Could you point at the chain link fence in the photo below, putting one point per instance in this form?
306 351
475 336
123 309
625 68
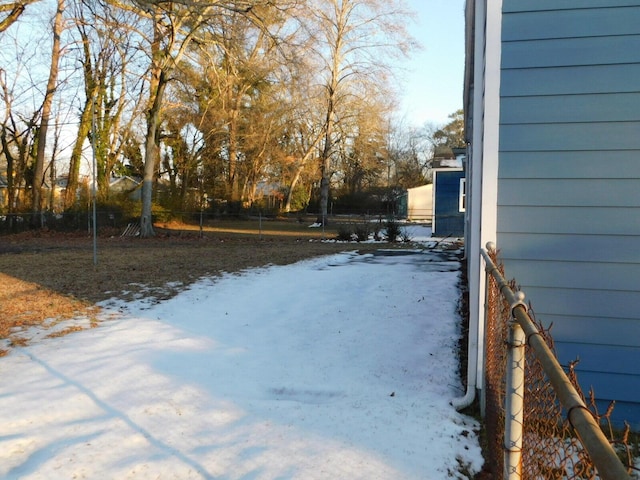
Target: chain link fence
68 221
550 446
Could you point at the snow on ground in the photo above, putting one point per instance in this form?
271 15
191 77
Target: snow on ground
335 368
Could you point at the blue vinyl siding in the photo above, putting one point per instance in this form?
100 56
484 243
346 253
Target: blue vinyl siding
572 192
572 52
570 136
579 275
604 359
583 302
572 248
588 22
569 220
528 6
619 331
569 182
572 165
572 80
620 386
607 107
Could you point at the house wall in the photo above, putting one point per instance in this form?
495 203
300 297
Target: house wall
482 90
568 219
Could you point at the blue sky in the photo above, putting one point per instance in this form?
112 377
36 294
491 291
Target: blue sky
434 80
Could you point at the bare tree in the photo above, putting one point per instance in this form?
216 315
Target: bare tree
20 116
307 141
267 93
409 156
241 66
174 26
38 171
355 39
249 82
110 107
303 125
229 86
18 139
86 111
364 149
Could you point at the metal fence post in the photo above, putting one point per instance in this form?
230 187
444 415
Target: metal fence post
514 403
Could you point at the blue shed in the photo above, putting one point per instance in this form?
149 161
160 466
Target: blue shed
448 202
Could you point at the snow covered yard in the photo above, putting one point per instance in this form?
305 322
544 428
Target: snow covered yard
340 367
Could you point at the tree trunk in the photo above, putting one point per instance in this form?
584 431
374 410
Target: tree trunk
86 121
162 63
234 181
10 169
296 176
15 181
157 86
38 173
292 186
76 156
332 91
325 167
151 157
52 182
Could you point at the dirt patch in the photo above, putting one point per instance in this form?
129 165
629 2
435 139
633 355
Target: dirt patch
49 277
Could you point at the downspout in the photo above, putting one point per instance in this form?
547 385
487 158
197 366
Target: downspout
472 366
460 403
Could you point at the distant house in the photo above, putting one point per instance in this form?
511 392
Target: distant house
447 157
126 185
4 193
51 194
553 121
269 193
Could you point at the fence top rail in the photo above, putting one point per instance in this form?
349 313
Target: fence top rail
579 416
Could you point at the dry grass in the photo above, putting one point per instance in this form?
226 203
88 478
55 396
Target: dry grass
48 278
24 304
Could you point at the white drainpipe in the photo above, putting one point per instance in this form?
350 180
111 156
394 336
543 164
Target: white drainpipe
472 363
472 353
461 403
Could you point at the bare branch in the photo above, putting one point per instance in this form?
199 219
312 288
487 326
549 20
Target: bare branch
15 9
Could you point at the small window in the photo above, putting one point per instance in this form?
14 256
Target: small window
462 201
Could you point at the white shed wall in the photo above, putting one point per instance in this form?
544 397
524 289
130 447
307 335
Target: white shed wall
420 203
